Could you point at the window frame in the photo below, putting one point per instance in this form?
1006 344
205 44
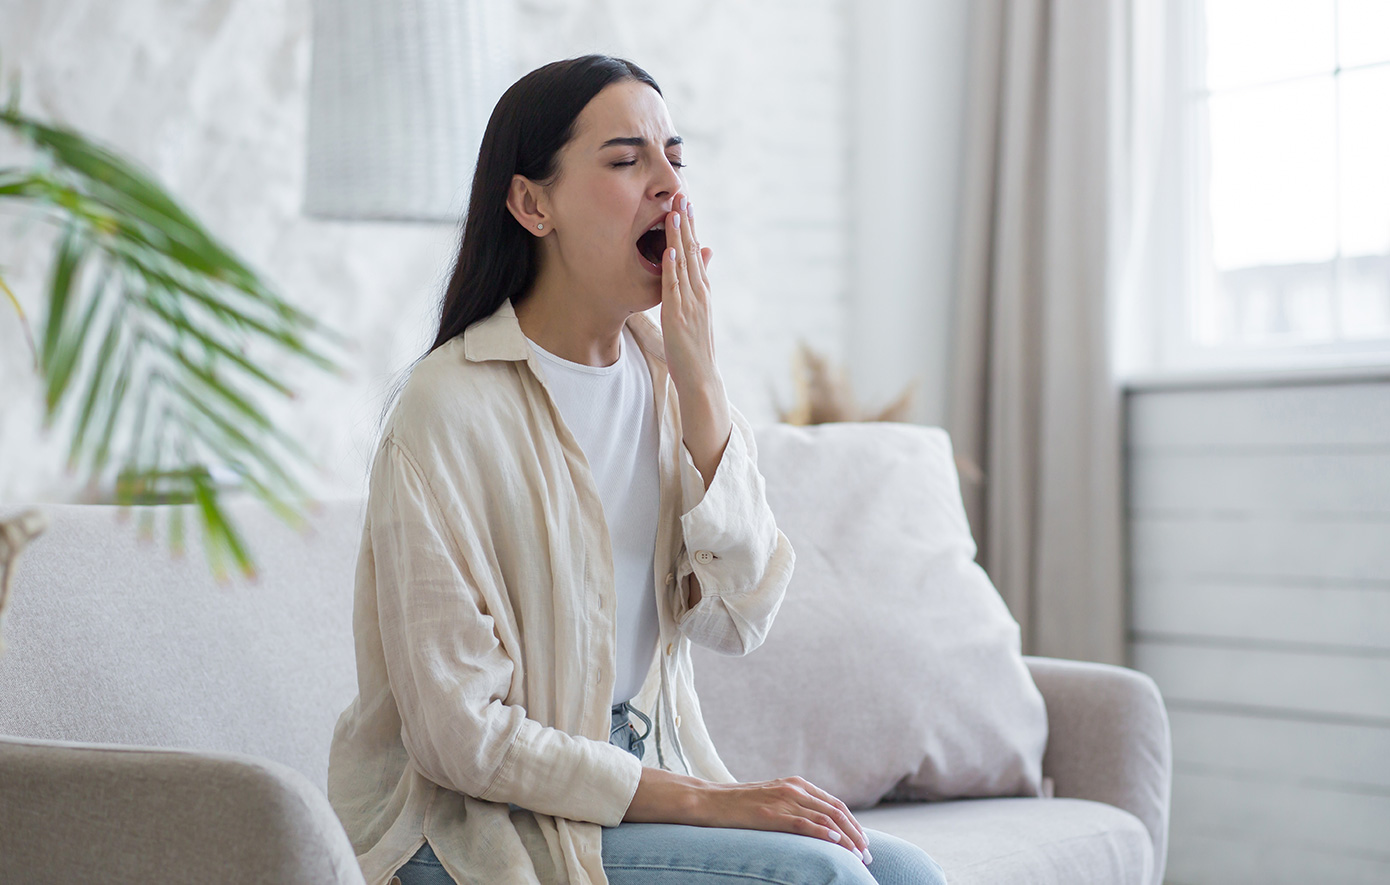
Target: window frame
1183 244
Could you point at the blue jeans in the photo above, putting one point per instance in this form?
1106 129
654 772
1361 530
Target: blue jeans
677 854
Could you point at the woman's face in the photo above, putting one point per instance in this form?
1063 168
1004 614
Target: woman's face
618 176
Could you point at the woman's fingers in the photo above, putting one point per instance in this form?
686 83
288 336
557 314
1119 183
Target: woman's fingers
674 290
817 824
690 268
842 820
841 812
789 804
829 812
823 826
686 273
698 256
670 280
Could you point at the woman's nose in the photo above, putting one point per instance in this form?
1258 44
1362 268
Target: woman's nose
670 199
669 182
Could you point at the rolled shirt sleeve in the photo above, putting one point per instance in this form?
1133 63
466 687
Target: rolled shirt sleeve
733 547
449 672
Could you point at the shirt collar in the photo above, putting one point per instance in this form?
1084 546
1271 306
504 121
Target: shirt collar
499 337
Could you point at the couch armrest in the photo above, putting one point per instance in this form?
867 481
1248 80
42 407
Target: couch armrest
1108 740
73 812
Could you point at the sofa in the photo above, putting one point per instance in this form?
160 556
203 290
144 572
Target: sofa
158 726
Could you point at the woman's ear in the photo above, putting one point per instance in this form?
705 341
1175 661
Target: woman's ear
527 205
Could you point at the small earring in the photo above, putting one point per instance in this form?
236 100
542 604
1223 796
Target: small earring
539 226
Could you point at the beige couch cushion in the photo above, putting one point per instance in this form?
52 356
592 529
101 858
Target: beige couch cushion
1023 841
111 640
894 665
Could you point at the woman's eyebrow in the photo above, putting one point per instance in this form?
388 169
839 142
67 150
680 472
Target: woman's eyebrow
638 141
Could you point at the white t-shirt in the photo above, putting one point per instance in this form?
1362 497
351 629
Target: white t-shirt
609 410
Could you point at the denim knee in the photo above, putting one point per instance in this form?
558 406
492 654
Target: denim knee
899 862
837 866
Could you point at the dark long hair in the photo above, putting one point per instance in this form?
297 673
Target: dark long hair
532 121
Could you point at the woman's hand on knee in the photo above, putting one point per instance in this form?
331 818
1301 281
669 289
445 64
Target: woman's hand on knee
787 804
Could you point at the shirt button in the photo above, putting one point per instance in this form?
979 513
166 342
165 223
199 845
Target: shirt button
678 720
670 576
703 555
669 646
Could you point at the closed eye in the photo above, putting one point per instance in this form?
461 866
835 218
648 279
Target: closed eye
677 163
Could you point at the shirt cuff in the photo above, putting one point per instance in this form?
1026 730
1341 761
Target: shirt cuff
557 773
733 547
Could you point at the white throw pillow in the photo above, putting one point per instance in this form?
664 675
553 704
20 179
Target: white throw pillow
893 669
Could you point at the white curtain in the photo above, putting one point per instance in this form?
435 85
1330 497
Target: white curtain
1046 244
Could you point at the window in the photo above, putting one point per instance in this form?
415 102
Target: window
1280 210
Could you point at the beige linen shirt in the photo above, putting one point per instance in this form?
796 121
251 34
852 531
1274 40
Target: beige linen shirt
484 619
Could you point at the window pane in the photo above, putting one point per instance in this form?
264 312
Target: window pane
1255 41
1291 175
1272 175
1363 30
1365 206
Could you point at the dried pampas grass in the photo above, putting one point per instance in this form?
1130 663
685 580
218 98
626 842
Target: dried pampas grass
15 534
823 396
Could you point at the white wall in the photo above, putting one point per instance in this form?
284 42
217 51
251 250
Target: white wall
212 97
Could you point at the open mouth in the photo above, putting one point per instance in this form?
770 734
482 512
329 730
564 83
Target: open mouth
650 245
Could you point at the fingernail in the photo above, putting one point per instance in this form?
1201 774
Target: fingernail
678 221
868 858
859 854
690 209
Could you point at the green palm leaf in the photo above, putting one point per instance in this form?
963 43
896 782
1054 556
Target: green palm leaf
169 325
